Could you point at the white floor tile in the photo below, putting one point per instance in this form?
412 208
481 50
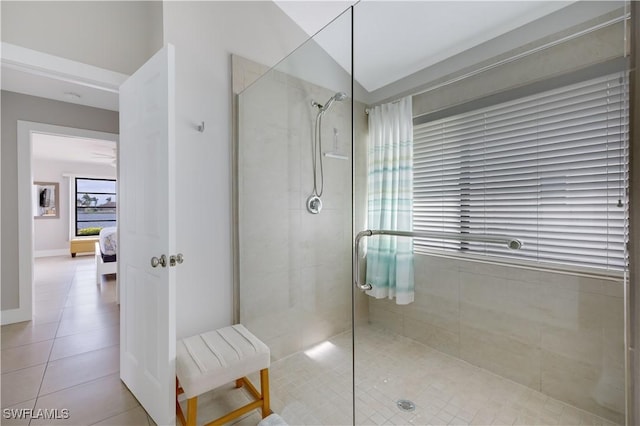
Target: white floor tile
68 357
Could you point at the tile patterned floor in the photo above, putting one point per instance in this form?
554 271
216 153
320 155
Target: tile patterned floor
68 356
314 387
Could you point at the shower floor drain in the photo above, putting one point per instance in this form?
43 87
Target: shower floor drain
406 405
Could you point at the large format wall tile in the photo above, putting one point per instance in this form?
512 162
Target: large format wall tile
584 345
501 354
440 338
295 267
440 311
582 384
385 316
494 321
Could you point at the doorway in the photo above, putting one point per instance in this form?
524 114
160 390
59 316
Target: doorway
26 133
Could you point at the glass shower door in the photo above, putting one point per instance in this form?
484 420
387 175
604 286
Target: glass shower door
294 171
520 132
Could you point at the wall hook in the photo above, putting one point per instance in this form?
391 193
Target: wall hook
201 127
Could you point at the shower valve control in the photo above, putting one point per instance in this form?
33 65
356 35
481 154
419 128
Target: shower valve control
314 204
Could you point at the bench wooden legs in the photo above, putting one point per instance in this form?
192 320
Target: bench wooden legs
192 411
192 408
179 412
264 389
261 401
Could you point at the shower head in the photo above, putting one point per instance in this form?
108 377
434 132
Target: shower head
340 96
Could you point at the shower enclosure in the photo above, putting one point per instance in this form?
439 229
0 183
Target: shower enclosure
494 335
295 266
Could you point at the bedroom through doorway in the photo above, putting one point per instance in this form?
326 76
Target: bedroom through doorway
78 168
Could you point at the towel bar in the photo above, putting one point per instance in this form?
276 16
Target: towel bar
512 243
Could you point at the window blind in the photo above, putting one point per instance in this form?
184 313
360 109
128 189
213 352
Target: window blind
549 169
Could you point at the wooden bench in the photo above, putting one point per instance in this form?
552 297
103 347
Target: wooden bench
82 245
209 360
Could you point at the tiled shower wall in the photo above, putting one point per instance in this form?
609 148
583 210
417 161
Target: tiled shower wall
295 267
559 334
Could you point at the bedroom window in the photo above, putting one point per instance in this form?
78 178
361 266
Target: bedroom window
96 202
549 168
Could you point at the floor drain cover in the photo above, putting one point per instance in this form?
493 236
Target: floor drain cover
406 405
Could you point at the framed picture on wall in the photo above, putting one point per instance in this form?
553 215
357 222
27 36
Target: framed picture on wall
47 200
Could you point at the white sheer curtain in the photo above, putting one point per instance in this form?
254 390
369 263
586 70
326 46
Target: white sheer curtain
390 200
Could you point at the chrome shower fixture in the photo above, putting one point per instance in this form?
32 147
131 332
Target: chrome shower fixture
314 203
340 96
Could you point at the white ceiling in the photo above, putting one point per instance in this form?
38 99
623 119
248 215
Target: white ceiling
394 39
39 74
421 34
51 88
69 149
313 15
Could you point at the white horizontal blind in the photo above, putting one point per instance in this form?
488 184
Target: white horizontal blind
548 169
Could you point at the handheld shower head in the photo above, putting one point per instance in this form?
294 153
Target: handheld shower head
340 96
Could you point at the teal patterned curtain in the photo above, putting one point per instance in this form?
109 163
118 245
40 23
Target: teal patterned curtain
390 200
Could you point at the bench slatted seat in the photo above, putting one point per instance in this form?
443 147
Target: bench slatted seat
209 360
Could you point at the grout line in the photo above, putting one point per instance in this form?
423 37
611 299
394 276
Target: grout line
118 414
24 368
30 343
89 330
85 352
93 379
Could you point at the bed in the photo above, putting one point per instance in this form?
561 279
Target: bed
105 252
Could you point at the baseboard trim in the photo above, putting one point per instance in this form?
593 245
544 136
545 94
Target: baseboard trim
11 316
51 253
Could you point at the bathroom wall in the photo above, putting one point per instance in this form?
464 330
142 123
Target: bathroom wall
546 58
115 35
596 47
295 267
559 334
205 33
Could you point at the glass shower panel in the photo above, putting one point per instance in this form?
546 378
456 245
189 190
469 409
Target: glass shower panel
494 337
294 174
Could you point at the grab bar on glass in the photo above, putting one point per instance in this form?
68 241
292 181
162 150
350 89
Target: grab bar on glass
512 243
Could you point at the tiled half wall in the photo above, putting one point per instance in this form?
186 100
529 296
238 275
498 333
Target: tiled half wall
559 334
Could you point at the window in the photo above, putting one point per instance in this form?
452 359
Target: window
550 169
96 202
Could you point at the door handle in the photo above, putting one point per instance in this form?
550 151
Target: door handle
177 258
162 261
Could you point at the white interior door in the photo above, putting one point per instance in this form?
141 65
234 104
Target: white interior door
146 230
